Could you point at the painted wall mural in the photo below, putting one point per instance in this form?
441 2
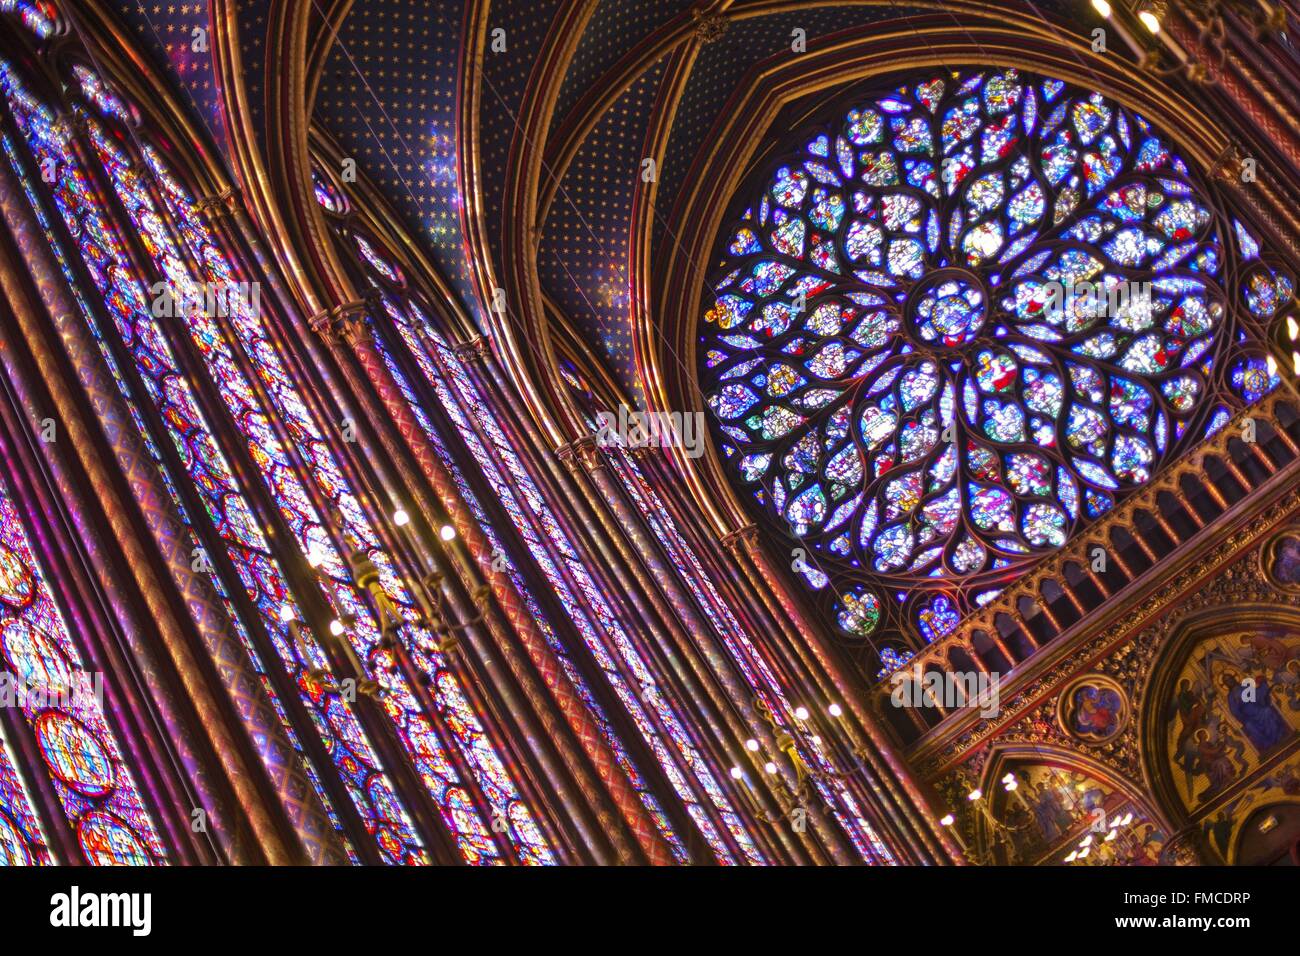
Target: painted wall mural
1094 709
1063 814
1282 561
1190 723
1254 809
1235 706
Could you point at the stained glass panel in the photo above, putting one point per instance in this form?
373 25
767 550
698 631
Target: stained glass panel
129 310
63 703
553 641
39 17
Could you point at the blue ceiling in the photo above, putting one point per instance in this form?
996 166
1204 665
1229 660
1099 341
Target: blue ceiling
388 97
615 27
167 31
583 260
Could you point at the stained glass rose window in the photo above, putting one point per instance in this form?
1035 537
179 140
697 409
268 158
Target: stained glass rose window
959 320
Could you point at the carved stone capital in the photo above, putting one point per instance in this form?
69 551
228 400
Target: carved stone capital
746 537
643 452
342 323
584 452
475 350
217 205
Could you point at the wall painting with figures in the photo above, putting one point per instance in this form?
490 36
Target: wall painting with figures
1232 727
1058 814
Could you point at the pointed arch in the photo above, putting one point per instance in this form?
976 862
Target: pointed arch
1064 802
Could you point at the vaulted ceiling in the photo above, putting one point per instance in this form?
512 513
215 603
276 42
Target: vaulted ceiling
552 121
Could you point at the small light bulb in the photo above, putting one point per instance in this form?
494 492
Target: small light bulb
947 820
801 713
974 795
1084 853
751 744
1150 21
1072 857
770 767
1292 327
336 627
1128 818
1102 7
1086 841
400 517
835 710
446 532
1272 366
736 773
1009 778
1295 362
1111 835
1011 786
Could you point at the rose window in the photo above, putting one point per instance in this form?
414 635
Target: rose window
961 319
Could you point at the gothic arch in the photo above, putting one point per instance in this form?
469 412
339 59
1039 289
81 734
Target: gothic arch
1093 807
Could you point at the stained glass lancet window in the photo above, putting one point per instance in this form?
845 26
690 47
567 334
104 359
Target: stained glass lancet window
39 17
553 641
259 570
961 319
304 479
623 665
63 703
629 677
748 656
461 724
22 843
